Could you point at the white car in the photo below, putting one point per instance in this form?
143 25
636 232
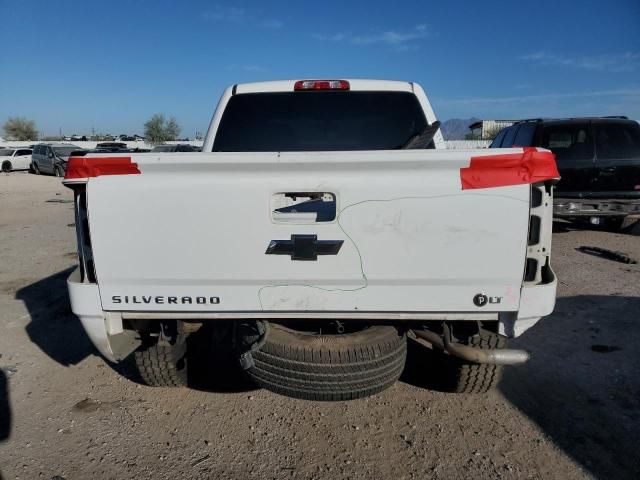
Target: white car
12 159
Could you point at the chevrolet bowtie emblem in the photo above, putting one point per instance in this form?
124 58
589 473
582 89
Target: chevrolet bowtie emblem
304 247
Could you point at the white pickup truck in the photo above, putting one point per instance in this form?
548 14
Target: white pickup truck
322 227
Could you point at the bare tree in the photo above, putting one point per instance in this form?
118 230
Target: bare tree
19 128
159 130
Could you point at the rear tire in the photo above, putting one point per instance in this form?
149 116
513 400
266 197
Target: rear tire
329 367
162 365
460 376
6 166
36 169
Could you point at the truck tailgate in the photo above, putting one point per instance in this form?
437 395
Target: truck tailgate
199 233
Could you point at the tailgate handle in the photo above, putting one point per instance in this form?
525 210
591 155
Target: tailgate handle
303 207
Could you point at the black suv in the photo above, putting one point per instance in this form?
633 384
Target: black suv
598 159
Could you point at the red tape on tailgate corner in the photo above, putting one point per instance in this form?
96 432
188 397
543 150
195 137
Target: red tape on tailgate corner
530 166
87 167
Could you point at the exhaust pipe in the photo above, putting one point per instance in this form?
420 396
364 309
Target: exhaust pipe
502 356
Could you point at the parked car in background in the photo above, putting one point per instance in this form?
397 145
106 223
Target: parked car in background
52 158
79 153
598 159
112 146
12 159
181 147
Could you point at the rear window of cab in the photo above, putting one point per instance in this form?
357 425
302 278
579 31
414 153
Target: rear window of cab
319 121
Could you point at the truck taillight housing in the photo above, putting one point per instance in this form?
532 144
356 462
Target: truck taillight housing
305 85
85 251
537 264
88 167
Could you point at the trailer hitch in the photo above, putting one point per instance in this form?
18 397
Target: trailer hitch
502 356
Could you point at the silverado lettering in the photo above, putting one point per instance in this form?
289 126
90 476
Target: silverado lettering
162 299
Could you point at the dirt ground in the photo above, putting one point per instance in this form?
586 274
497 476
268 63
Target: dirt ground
572 412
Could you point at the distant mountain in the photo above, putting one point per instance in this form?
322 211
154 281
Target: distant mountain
457 128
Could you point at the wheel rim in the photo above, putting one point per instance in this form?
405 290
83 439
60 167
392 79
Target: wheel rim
6 167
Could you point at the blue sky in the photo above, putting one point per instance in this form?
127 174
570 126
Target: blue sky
110 65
